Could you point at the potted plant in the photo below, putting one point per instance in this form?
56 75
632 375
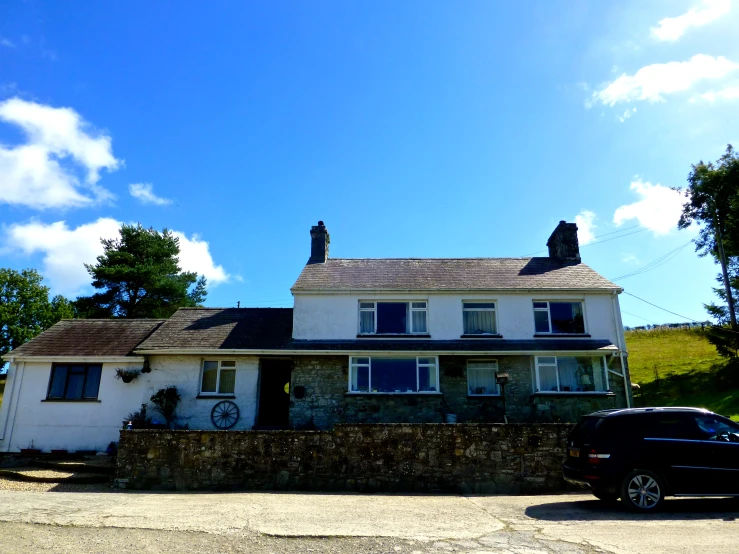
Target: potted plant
165 401
127 375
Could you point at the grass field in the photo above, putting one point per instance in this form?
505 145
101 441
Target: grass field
679 367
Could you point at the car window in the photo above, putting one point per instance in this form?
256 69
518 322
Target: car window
713 428
672 426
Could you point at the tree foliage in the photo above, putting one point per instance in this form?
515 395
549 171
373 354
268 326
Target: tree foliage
713 202
25 308
138 275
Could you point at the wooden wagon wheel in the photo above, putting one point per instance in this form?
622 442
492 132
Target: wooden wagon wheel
225 414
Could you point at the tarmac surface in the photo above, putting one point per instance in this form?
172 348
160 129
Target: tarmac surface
300 522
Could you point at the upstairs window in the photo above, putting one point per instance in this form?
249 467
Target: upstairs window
74 382
559 318
393 318
570 374
479 318
219 377
393 375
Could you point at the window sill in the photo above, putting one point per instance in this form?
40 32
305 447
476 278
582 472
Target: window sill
422 393
394 336
482 336
560 335
214 396
73 401
574 393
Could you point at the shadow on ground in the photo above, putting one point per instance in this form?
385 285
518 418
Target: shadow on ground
720 509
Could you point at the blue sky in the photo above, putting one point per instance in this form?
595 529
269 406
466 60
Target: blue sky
413 129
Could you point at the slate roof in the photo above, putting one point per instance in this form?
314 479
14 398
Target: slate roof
251 328
89 337
449 274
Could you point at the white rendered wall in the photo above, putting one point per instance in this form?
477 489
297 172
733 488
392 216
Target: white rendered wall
335 317
24 416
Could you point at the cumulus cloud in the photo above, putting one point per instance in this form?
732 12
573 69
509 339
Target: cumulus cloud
64 251
727 93
658 209
585 221
672 28
654 82
144 192
44 171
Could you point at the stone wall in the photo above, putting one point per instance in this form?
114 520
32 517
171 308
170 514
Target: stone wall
326 402
461 458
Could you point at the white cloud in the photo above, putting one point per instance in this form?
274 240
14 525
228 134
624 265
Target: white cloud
38 173
585 221
65 250
630 258
653 82
672 28
7 42
658 210
145 193
627 114
727 93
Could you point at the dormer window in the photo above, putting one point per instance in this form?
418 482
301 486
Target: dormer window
393 318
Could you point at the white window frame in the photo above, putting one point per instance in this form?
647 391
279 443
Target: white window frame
410 309
549 316
218 377
492 362
555 365
353 365
494 309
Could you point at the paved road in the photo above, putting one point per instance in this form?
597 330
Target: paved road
288 522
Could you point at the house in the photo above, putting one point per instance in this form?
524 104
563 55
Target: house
367 341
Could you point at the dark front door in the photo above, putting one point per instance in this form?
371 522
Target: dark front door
274 393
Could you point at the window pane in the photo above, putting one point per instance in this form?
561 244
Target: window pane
393 374
360 360
392 317
481 305
481 378
550 360
210 376
92 384
367 305
228 381
418 305
567 317
360 378
569 374
367 322
75 382
598 369
541 321
419 321
540 305
58 381
228 363
427 361
479 322
547 378
427 379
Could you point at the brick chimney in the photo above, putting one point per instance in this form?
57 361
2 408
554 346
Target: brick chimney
563 244
319 241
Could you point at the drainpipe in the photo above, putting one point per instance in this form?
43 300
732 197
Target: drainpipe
621 346
15 396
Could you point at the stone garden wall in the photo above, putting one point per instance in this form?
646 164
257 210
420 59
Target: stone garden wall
459 458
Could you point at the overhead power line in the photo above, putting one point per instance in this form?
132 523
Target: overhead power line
599 236
654 264
661 308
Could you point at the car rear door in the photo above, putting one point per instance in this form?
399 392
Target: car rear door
674 446
721 437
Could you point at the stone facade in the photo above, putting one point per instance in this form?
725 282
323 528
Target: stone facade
325 402
471 458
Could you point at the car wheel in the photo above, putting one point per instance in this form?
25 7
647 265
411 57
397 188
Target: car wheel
642 491
605 496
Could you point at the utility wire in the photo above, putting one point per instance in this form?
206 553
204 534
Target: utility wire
640 317
654 264
661 308
599 236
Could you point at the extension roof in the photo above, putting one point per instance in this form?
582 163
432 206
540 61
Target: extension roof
434 274
89 337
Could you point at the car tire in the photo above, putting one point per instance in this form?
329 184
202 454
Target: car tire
642 491
605 496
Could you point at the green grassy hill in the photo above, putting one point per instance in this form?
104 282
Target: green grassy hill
679 367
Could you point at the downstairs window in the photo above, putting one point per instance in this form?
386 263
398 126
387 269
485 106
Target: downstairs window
74 382
375 374
570 374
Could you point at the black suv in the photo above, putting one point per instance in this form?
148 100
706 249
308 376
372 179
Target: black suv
641 455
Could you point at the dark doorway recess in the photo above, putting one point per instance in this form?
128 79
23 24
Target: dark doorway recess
274 393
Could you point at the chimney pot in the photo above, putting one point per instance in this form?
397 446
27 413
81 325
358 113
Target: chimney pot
563 244
319 241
